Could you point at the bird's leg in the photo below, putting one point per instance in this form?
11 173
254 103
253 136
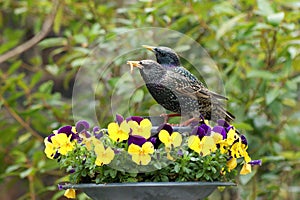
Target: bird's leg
167 116
189 121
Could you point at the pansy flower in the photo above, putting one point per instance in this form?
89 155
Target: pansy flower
104 155
118 132
98 133
231 163
50 149
69 130
70 193
169 138
88 142
246 169
221 130
255 162
140 126
201 143
136 139
141 155
59 143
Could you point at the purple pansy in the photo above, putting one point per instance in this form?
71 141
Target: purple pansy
180 152
136 139
135 118
119 119
221 130
206 128
97 132
226 125
60 186
166 127
199 131
255 162
49 137
153 140
68 131
81 126
244 140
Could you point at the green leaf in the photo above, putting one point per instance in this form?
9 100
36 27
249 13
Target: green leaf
26 173
58 19
264 7
35 79
261 74
243 126
275 19
14 67
46 87
272 95
12 168
52 42
289 102
157 165
23 138
228 25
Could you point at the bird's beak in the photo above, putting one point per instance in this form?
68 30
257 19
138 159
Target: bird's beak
134 64
151 48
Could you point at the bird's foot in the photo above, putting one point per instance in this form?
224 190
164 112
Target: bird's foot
189 121
167 116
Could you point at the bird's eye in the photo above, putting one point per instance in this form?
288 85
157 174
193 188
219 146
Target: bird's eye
140 63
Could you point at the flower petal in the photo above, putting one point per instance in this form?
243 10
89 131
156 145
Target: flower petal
82 125
246 169
136 139
134 149
194 143
176 139
70 194
148 148
231 164
221 130
164 137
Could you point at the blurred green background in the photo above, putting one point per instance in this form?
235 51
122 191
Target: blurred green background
255 44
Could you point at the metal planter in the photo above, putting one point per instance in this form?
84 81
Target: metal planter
149 190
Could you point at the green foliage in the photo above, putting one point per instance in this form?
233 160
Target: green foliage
255 45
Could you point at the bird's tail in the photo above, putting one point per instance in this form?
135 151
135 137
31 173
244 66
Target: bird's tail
224 114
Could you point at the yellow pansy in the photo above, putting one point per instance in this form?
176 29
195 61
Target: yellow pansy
246 169
204 146
231 164
104 156
246 157
63 142
218 138
140 155
142 129
231 136
238 150
50 149
118 133
173 140
70 194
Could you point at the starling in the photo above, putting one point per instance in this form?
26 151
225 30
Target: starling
179 91
168 58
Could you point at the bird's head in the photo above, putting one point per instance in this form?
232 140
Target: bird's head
165 55
148 68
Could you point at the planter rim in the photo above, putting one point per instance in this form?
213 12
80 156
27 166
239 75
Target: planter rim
146 184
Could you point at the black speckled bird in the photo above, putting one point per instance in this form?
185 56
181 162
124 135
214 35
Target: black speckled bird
179 91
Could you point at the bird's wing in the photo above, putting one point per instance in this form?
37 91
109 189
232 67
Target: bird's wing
187 84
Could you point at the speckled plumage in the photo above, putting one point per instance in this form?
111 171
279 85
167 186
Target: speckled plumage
179 91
